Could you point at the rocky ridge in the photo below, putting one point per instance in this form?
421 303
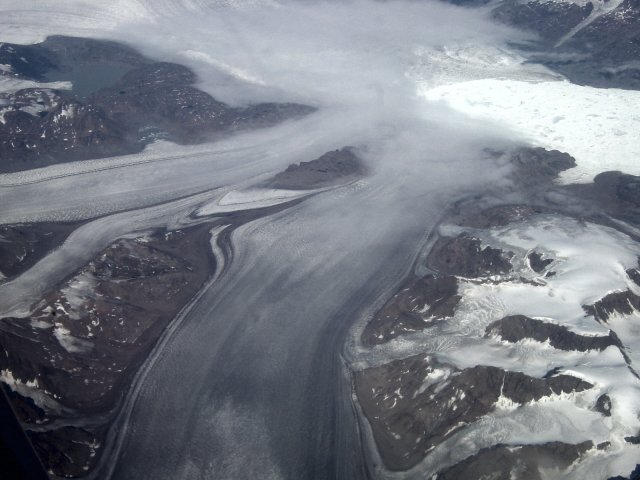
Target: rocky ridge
119 102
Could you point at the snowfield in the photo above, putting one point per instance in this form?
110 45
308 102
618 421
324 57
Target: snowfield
598 127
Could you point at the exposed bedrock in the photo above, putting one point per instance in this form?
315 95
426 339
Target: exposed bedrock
623 303
120 101
551 20
416 403
464 256
515 328
333 167
535 166
417 305
537 262
595 43
75 355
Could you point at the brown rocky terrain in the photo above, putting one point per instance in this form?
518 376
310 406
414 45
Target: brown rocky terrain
416 306
537 262
416 403
623 303
120 101
464 256
337 166
76 353
515 328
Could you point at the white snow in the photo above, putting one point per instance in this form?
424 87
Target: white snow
598 127
2 113
11 84
30 389
70 343
7 377
77 292
237 200
33 109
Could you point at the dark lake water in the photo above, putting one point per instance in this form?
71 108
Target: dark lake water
88 78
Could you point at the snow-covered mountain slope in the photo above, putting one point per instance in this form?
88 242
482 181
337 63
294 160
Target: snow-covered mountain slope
605 413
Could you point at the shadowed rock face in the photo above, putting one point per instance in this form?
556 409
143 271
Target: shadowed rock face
120 102
603 405
160 96
537 263
333 167
634 275
516 462
551 20
618 302
601 52
416 403
416 306
518 327
464 256
614 36
58 446
21 246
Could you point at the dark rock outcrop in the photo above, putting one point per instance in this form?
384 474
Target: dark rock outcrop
497 216
416 306
603 405
537 262
416 403
551 20
464 256
161 96
633 439
601 53
537 166
518 327
84 341
44 126
333 167
120 101
624 303
68 451
634 275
